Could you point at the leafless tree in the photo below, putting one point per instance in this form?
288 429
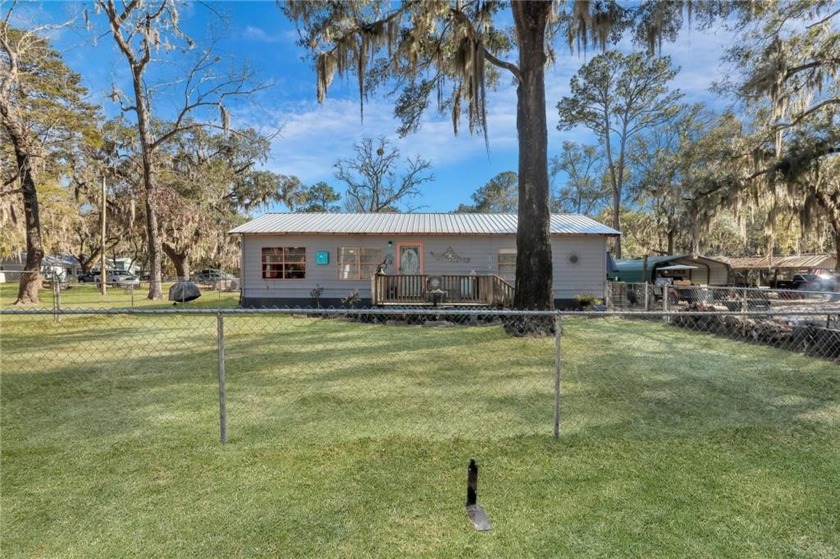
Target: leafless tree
374 180
140 29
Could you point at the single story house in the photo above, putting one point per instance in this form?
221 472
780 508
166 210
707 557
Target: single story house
52 265
328 259
11 267
698 270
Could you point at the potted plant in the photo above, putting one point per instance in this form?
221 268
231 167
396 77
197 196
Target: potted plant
586 300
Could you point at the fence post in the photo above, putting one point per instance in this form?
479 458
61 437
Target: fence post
558 368
220 345
744 308
56 287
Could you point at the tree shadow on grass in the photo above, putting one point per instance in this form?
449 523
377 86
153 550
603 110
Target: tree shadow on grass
665 381
310 375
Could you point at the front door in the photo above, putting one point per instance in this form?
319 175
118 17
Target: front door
410 264
410 258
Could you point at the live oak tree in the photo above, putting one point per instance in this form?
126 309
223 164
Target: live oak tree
208 181
113 163
452 51
43 117
619 97
669 162
377 180
784 70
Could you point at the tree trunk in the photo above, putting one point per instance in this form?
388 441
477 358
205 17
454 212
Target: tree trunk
179 259
30 279
533 246
616 220
155 275
147 147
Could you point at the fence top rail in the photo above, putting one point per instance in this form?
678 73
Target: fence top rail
735 288
397 311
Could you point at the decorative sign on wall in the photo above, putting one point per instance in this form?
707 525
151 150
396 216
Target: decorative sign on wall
448 256
322 257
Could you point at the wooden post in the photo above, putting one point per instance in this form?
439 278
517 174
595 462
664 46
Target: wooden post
374 299
557 372
220 344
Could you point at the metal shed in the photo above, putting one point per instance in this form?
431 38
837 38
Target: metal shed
698 270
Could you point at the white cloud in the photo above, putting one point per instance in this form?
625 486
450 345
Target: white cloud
314 137
251 33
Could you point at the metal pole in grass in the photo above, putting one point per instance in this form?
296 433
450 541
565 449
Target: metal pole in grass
557 370
220 344
56 286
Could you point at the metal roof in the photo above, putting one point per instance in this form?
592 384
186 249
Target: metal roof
636 264
802 262
413 224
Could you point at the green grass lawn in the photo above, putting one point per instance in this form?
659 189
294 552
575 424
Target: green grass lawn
352 440
87 296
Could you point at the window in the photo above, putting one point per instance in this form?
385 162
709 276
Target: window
358 263
284 263
507 264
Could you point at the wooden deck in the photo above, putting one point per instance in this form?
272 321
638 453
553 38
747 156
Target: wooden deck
441 290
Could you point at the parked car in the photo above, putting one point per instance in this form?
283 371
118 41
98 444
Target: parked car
119 278
815 282
212 276
54 274
89 277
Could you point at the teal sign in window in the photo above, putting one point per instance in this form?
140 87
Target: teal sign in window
322 257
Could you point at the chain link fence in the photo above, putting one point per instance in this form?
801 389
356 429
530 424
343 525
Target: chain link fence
296 373
652 297
56 291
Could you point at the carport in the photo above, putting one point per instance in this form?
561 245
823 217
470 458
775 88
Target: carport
776 271
699 270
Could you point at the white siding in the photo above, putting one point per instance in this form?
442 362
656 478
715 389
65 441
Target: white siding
588 274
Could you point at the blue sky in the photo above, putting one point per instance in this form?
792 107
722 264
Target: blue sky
313 136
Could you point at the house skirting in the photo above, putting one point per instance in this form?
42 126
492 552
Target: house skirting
362 303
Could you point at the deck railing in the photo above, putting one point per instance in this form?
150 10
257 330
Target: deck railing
440 290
